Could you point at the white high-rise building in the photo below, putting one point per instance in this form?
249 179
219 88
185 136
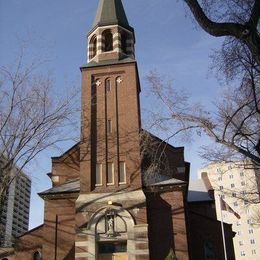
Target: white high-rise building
15 215
238 186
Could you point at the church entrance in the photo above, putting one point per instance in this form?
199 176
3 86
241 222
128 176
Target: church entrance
112 250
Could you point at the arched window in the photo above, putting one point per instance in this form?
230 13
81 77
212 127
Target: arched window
107 40
36 255
124 42
93 47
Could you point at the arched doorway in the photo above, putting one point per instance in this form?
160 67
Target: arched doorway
111 227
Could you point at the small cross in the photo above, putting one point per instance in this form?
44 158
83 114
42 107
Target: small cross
98 83
119 80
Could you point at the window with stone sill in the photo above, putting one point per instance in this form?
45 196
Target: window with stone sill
110 173
98 174
122 173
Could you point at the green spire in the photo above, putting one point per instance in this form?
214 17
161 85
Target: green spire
111 12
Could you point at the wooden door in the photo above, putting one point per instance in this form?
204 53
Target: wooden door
114 256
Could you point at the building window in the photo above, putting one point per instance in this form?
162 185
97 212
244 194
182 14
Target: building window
122 173
209 250
241 243
36 256
253 252
108 40
98 174
235 204
241 174
93 47
124 42
221 187
250 231
231 176
219 178
252 241
232 185
243 183
108 85
109 126
234 194
110 173
242 253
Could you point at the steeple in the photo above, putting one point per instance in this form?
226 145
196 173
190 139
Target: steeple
111 12
111 38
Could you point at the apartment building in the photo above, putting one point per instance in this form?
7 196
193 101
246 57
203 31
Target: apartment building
15 215
236 187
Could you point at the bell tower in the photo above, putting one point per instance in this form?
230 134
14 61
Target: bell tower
110 147
111 207
111 37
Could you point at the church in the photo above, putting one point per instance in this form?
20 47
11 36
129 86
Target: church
121 192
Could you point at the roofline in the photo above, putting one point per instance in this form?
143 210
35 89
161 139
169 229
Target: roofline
159 139
83 67
71 148
31 230
49 195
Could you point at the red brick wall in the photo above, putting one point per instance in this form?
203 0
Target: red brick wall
122 107
66 167
65 210
167 226
204 227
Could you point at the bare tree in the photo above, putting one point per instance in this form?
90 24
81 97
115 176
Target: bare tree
32 118
234 124
238 19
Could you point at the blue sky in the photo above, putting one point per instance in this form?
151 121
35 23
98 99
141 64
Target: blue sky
167 40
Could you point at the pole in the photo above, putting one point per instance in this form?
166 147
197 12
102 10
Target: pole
222 229
56 238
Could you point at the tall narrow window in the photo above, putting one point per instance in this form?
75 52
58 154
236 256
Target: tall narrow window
98 174
124 43
122 173
108 40
110 173
93 47
108 85
109 126
36 256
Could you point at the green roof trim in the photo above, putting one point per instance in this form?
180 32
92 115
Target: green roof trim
111 12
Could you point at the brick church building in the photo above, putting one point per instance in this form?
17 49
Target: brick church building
120 193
